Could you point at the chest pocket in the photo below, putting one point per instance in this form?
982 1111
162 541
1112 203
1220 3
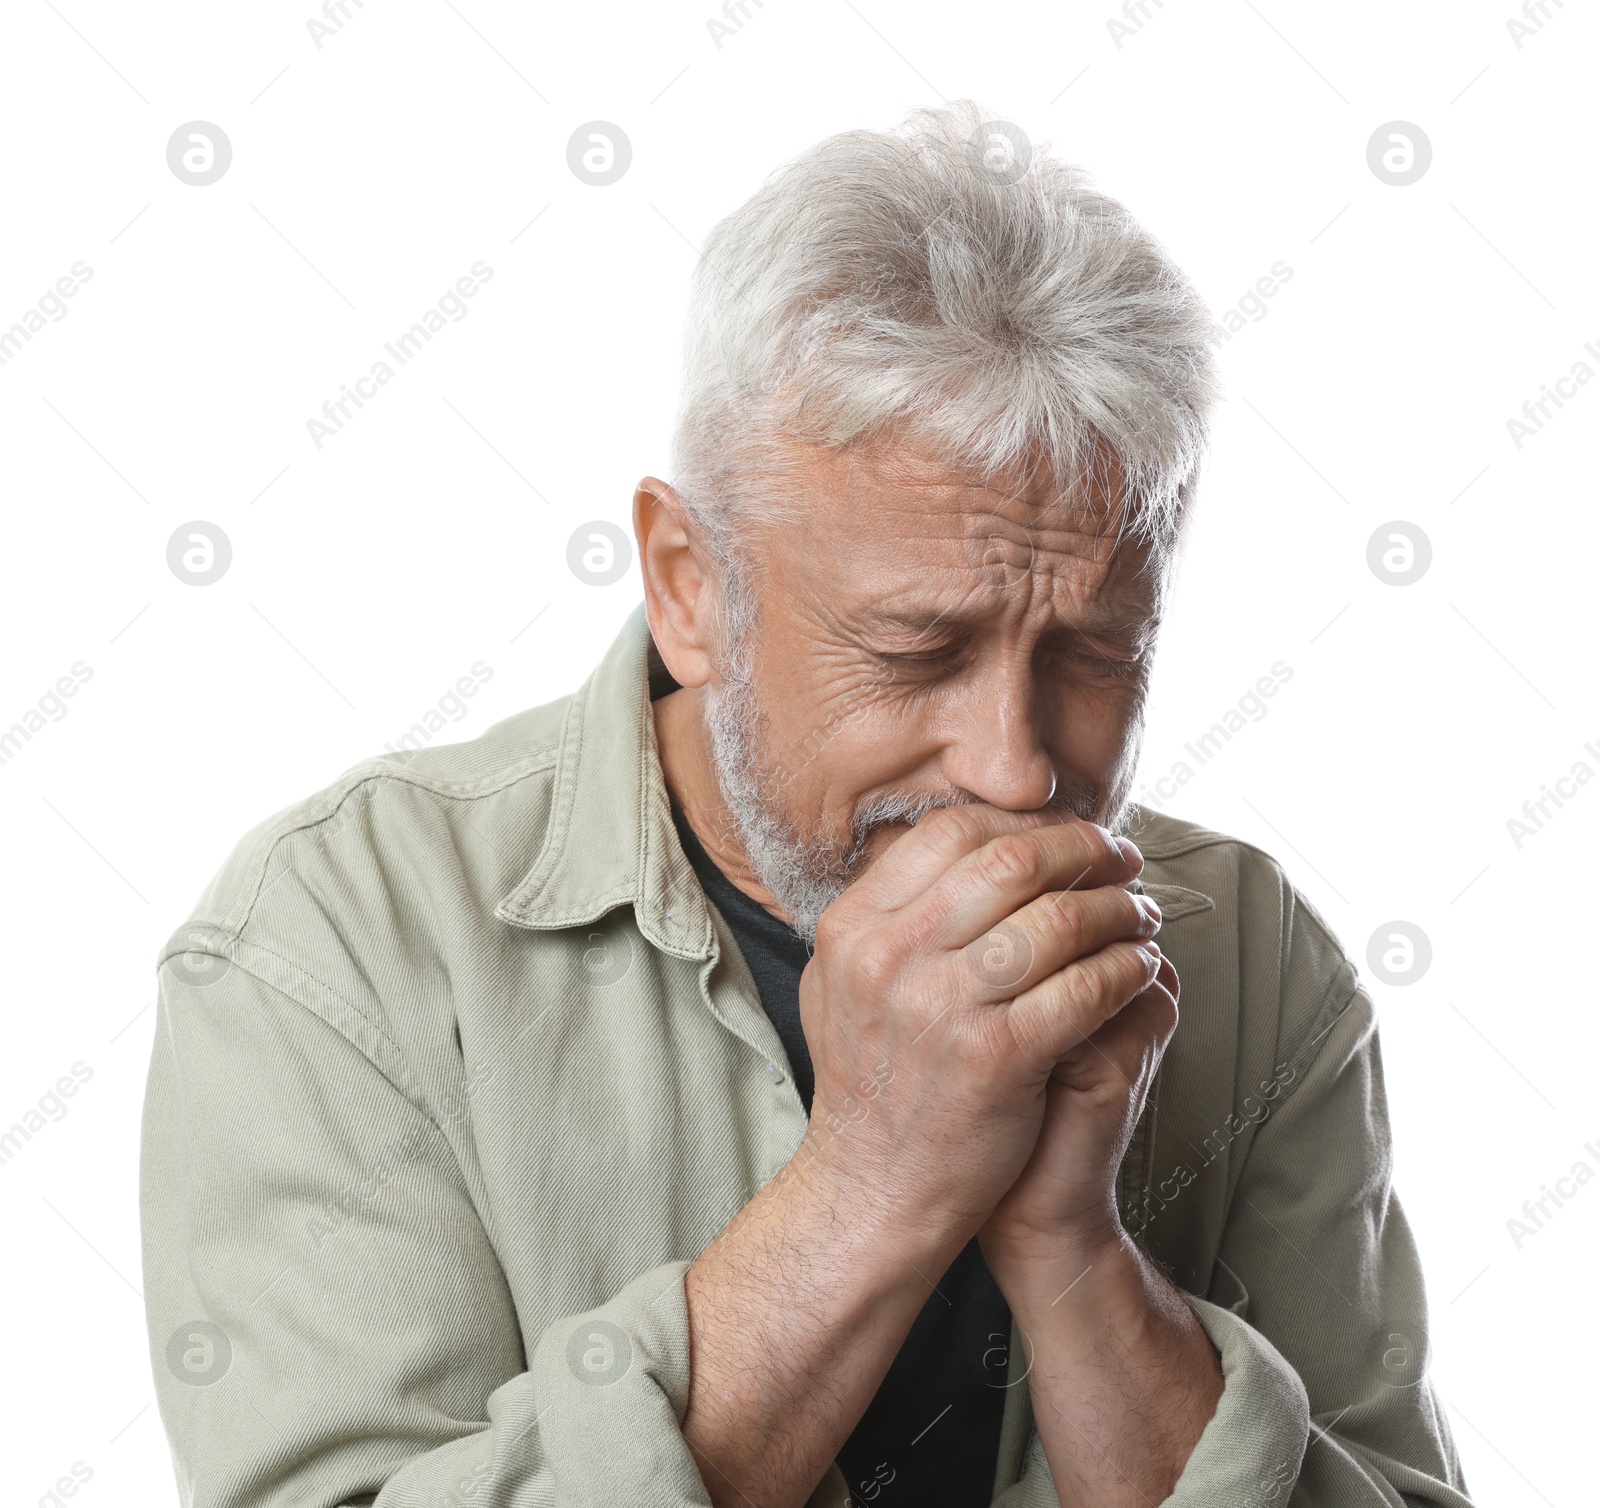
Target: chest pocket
1174 900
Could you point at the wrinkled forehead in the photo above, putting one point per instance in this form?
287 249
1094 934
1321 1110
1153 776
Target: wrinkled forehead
892 522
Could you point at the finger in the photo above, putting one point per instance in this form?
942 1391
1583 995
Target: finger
1129 1046
995 879
915 860
1059 1012
1052 931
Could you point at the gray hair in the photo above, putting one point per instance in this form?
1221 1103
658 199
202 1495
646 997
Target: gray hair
893 285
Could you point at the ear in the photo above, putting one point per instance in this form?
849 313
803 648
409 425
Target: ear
675 565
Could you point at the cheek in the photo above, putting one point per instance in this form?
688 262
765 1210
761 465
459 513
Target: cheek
836 751
1099 737
1098 725
865 739
870 738
1119 754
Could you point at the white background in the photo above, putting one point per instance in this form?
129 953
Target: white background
430 533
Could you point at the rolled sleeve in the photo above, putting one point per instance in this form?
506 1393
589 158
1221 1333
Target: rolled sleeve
1252 1446
1323 1308
1256 1436
329 1321
612 1386
1316 1302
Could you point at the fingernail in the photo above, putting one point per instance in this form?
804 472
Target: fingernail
1129 851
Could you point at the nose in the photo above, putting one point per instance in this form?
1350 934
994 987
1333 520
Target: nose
995 750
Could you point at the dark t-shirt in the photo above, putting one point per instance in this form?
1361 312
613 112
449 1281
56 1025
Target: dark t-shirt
932 1432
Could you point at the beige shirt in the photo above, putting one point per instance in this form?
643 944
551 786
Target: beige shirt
457 1072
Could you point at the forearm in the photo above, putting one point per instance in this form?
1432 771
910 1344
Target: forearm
1123 1378
795 1314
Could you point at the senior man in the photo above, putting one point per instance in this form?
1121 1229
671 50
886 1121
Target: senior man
753 1078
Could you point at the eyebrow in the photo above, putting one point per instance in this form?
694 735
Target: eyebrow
922 619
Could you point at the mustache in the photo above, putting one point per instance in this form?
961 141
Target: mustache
1080 797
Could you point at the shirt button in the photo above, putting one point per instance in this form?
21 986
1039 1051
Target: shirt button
774 1073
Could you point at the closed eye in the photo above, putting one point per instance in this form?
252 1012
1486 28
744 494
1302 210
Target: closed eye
929 662
1107 667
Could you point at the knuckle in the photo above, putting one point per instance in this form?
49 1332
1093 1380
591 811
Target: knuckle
832 930
1094 846
1010 860
1106 843
1140 907
876 961
958 825
1075 987
1068 920
1130 969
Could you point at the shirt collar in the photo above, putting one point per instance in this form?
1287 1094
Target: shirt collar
610 840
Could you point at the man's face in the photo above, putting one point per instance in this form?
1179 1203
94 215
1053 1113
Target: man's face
924 642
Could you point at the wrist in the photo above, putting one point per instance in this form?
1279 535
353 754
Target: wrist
857 1221
1086 1281
1121 1373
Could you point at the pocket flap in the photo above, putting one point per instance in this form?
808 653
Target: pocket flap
1174 900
